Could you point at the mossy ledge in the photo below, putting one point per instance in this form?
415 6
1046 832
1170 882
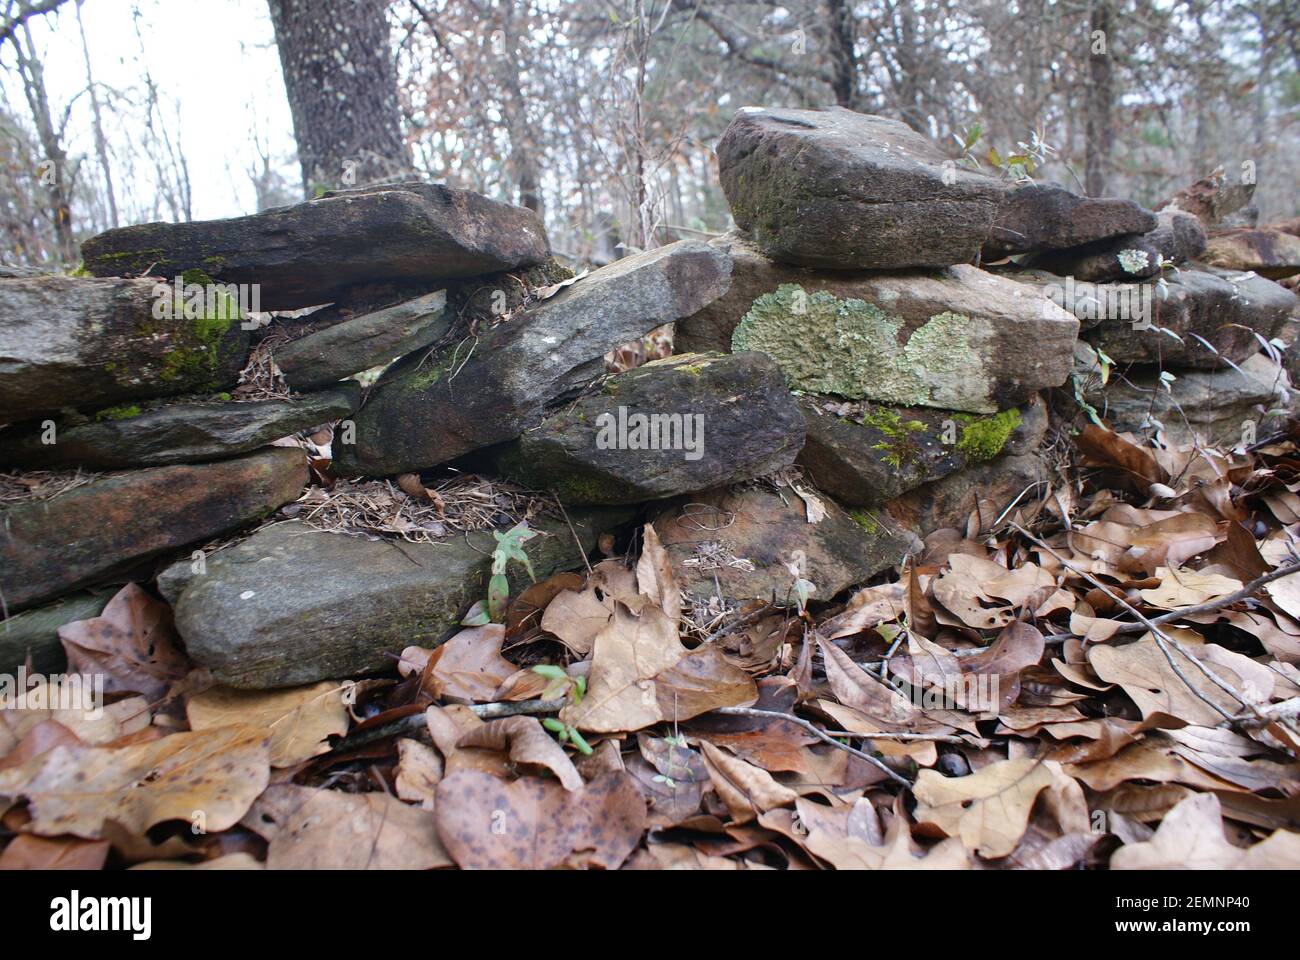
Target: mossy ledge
983 438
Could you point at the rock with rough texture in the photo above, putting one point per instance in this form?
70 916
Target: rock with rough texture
490 389
743 541
1177 238
1043 216
173 433
35 633
843 190
1221 407
959 340
982 490
1214 198
326 356
51 547
309 253
293 604
874 453
78 342
672 426
1270 253
1141 323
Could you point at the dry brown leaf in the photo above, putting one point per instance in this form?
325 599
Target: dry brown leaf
641 674
132 644
989 810
300 720
208 777
1191 838
419 768
1151 682
93 726
535 824
576 617
1180 587
654 576
28 852
310 829
747 790
524 739
469 666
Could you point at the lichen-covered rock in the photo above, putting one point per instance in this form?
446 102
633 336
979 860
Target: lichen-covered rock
51 547
369 340
745 541
982 490
489 388
1043 216
293 604
1171 322
961 339
874 453
689 422
1223 408
34 633
1177 238
1270 253
85 343
132 436
844 190
309 253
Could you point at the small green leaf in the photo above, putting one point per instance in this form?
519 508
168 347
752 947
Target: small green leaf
583 746
549 671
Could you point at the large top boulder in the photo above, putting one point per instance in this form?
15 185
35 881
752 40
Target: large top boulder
78 342
844 190
489 388
1043 216
309 253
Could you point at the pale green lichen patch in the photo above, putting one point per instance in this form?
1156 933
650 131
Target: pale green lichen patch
852 348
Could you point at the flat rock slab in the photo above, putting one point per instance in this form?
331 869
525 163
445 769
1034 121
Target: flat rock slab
173 433
480 391
85 343
1141 323
34 633
958 338
741 541
362 342
673 426
1270 253
871 453
293 604
309 253
52 547
1043 216
844 190
979 495
1177 238
1213 199
1212 407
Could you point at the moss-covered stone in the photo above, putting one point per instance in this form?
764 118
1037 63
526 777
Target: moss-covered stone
123 411
854 349
983 439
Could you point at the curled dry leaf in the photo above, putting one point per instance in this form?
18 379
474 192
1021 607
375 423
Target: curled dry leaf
92 726
469 666
989 810
132 644
747 790
419 768
524 739
75 789
535 824
300 720
1191 838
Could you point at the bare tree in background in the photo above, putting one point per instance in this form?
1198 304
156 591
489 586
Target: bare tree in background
341 82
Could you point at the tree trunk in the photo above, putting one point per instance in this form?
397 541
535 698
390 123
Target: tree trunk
1098 131
844 60
342 86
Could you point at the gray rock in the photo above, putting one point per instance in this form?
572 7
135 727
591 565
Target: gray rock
1219 407
487 390
76 342
326 356
57 545
742 541
1128 321
1043 216
174 432
877 452
308 253
294 605
844 190
1177 238
668 427
35 633
1270 253
956 339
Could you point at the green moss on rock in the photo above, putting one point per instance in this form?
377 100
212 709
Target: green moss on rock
123 411
984 438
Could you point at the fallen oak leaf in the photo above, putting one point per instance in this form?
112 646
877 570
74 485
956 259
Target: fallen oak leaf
989 809
74 789
747 790
526 742
300 720
1191 838
469 666
132 644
